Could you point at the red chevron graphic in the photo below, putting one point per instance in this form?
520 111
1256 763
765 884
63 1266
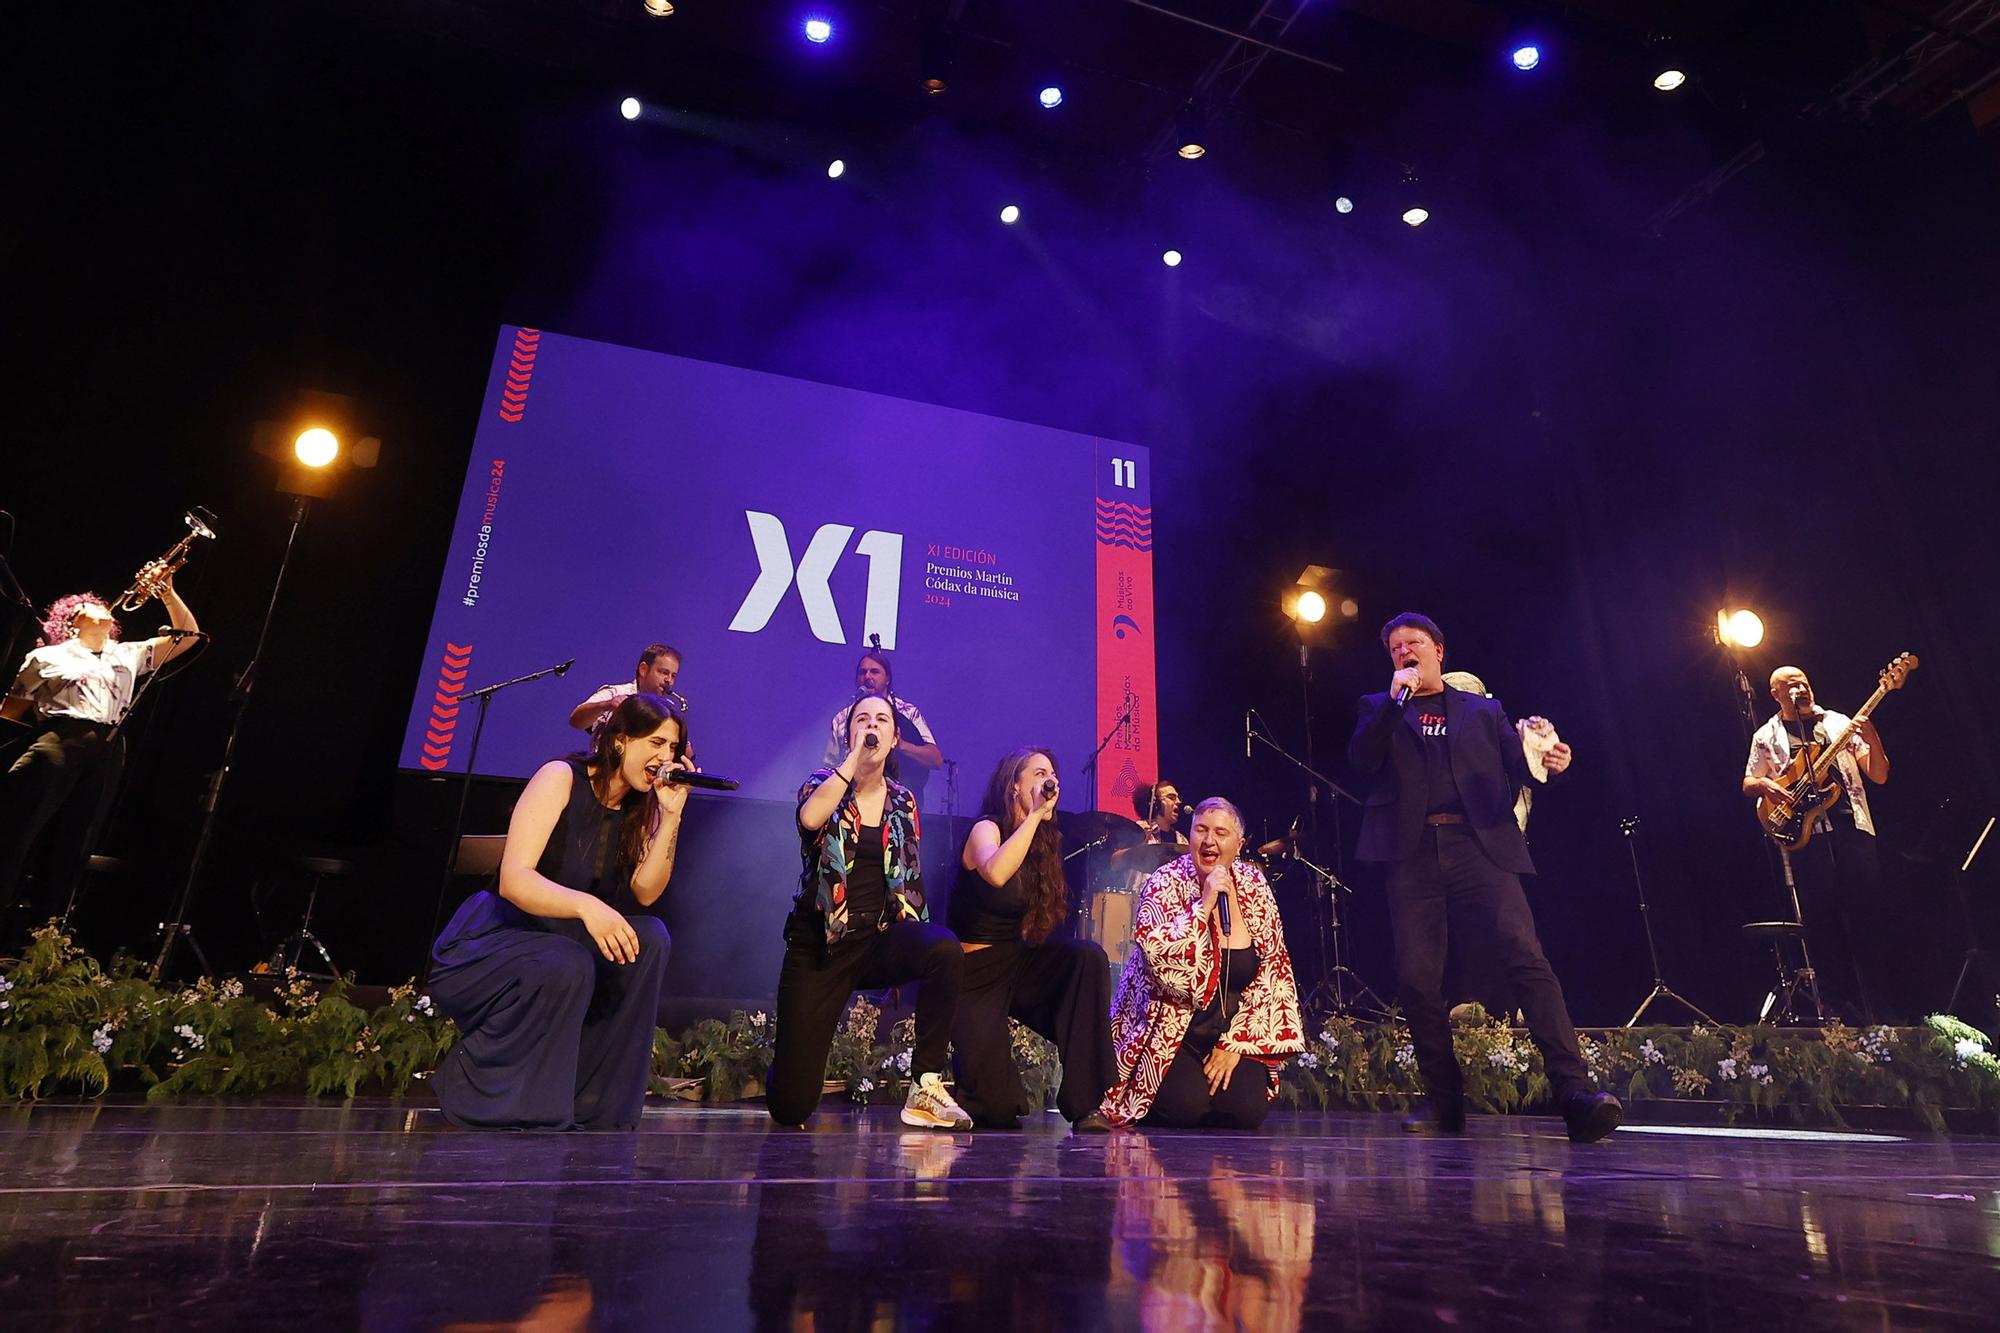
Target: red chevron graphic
438 733
513 403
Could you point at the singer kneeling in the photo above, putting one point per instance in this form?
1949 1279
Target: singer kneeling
859 923
1208 1010
554 989
1009 900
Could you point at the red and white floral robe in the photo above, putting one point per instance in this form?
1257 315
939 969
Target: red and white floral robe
1175 968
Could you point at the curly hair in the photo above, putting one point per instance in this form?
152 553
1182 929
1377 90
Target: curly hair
58 620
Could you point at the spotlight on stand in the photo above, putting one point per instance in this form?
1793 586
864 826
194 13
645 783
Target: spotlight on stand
1050 97
1526 56
1741 628
1191 130
316 446
819 31
1314 602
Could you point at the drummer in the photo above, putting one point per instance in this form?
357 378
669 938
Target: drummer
1158 805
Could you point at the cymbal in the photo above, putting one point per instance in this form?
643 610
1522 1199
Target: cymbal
1090 825
1146 857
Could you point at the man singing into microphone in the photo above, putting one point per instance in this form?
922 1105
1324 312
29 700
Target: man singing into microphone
1837 872
1445 767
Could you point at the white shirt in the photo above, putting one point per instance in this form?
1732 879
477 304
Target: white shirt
836 745
68 680
611 695
1771 750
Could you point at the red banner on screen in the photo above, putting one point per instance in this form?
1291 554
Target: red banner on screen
1125 688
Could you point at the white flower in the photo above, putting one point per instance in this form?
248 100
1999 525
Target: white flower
903 1063
186 1033
759 1018
101 1039
865 1085
1503 1057
1406 1055
6 1004
1875 1042
1967 1047
1726 1068
1761 1073
232 989
1698 1031
5 985
1307 1060
409 1018
1654 1055
423 1004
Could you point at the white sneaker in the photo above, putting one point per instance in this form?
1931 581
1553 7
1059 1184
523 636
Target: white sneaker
929 1106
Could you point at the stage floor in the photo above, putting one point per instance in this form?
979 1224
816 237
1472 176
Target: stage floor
280 1213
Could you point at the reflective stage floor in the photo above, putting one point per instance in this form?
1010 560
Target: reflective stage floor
275 1213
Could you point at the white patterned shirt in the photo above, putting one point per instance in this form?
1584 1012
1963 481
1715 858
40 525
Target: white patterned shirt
1771 750
69 680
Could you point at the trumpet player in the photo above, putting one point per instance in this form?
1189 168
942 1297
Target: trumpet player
79 683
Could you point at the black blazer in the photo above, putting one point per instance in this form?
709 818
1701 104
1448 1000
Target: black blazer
1486 759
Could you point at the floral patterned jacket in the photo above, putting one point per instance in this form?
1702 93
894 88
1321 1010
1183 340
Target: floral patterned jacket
1175 968
829 852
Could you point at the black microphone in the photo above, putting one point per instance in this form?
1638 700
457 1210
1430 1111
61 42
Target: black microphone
169 632
1222 911
1403 694
681 777
869 740
563 670
1049 787
1246 732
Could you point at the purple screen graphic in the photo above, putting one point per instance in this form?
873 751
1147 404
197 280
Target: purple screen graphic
766 527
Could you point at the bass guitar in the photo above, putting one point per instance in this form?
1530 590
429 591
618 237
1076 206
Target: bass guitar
1810 781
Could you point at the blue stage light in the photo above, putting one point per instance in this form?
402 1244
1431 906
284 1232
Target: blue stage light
1010 214
819 30
836 169
1527 57
1050 97
1172 259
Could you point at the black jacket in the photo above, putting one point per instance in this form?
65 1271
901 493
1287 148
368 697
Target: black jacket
1486 760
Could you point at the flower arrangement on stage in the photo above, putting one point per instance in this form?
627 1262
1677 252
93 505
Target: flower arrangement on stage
66 1025
71 1026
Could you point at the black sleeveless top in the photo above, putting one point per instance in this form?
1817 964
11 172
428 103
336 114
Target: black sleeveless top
983 914
583 846
1239 968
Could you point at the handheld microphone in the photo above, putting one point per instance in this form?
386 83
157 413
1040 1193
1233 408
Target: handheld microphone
1222 911
1246 732
1049 787
869 741
1403 694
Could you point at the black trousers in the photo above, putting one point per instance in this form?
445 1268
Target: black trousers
815 981
1840 894
1450 889
1059 988
1184 1101
57 791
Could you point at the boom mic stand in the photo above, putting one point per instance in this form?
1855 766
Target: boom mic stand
1629 826
171 932
485 697
1335 974
1974 955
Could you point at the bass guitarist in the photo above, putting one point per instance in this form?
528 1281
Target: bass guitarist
1837 871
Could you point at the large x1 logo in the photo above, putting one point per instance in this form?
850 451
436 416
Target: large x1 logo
776 573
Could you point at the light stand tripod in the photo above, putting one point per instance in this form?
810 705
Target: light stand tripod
1629 826
485 696
172 932
1974 956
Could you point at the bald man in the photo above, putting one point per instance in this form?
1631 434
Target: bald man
1838 873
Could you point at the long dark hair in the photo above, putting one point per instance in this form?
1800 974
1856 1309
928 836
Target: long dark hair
1042 872
639 715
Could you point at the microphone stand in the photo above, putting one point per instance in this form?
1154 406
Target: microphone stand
485 696
1332 988
1090 765
172 931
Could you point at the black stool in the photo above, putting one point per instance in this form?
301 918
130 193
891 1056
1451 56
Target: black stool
1796 986
321 868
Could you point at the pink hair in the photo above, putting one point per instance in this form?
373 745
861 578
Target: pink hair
56 624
